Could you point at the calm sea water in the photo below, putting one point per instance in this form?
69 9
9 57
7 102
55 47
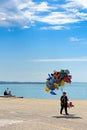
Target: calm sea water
74 91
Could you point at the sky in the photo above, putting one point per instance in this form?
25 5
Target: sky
40 36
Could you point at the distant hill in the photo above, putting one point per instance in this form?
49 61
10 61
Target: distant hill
17 82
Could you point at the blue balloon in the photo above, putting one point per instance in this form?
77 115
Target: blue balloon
52 81
50 76
61 76
53 93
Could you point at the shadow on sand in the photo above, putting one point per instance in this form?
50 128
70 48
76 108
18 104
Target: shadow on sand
70 116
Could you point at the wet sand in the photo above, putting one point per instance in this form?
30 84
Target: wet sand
41 114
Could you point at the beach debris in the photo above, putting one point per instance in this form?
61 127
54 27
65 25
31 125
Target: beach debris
56 80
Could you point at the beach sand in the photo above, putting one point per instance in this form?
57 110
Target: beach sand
41 114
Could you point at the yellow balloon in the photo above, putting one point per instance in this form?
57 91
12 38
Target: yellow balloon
62 83
56 85
47 89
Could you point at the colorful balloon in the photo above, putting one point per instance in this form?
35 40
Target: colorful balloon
53 93
57 79
62 83
56 85
47 89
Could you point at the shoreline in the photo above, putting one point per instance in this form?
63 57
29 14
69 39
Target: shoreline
14 96
40 114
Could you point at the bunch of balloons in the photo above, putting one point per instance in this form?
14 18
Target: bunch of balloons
57 79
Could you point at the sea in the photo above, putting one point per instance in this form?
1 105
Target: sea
74 90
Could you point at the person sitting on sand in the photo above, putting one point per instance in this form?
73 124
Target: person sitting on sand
9 93
64 101
5 93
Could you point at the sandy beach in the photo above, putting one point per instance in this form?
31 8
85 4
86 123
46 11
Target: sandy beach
41 114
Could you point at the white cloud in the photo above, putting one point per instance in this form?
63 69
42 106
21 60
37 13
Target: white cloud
26 13
75 39
83 59
37 7
26 26
22 12
77 3
57 18
54 28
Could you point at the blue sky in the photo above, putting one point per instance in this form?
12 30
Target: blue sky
40 36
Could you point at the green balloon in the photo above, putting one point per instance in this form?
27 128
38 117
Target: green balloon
62 71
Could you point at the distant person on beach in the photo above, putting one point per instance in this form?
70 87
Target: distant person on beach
64 101
6 92
9 93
